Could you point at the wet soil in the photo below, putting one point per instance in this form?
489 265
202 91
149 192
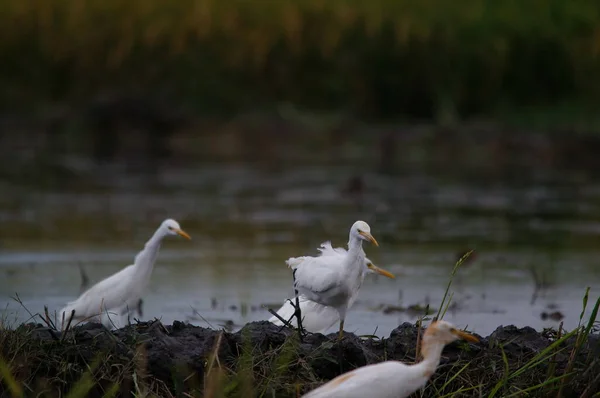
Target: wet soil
177 356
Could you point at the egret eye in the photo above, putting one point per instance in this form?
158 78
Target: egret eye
171 228
452 330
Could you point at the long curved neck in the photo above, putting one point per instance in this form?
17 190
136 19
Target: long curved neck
432 353
355 246
354 243
356 256
420 373
144 261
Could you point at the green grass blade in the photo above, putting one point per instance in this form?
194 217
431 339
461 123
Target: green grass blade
585 301
86 382
13 386
454 377
538 386
460 390
504 380
542 356
592 319
456 266
112 391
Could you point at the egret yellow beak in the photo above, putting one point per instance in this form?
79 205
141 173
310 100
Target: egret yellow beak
369 237
380 271
182 233
466 336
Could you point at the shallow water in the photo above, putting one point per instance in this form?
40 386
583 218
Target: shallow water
248 215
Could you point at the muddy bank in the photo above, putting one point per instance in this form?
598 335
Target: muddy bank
262 359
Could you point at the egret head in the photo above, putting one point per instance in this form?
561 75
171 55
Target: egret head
171 227
361 230
445 332
372 268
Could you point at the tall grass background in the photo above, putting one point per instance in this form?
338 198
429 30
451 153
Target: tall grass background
378 59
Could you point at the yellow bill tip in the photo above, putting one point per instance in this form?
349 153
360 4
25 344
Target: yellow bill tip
369 237
183 233
380 271
467 336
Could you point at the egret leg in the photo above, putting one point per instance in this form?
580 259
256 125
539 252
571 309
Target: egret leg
297 311
298 314
339 345
289 321
139 308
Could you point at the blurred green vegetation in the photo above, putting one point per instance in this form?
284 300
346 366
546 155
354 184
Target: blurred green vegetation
377 59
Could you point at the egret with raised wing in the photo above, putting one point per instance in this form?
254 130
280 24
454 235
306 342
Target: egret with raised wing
332 283
122 291
394 379
317 317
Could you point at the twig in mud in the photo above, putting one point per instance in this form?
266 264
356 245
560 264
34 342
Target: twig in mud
47 319
71 316
195 312
285 323
18 300
49 324
375 331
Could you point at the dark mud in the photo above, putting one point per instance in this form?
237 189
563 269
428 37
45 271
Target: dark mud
174 360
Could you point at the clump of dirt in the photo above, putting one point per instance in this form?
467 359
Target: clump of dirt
175 359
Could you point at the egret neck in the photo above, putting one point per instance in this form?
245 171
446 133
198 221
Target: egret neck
144 260
355 258
431 351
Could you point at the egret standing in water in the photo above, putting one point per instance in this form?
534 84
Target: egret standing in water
317 317
122 291
332 283
393 379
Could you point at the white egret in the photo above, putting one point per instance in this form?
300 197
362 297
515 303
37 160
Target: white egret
317 317
393 379
122 291
333 283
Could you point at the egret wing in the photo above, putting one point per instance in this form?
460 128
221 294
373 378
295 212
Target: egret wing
318 275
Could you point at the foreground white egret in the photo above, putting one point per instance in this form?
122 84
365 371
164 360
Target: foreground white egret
332 283
122 291
317 317
393 379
